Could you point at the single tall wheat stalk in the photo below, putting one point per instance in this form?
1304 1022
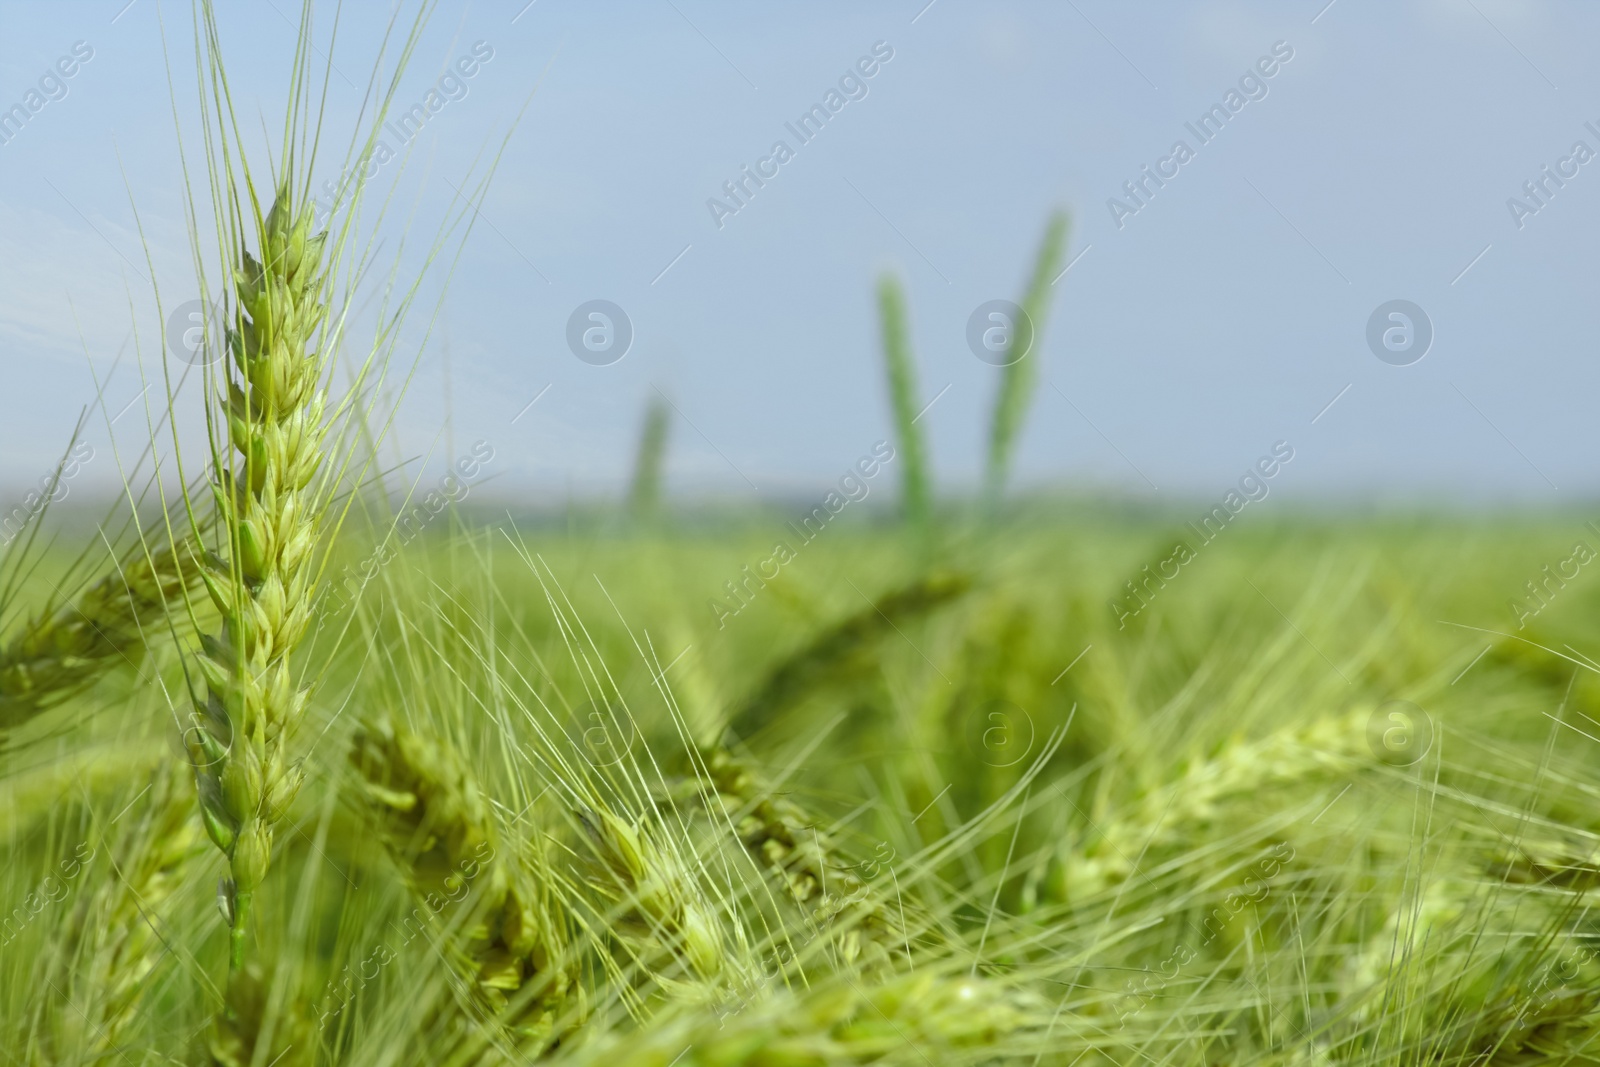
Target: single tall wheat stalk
1020 377
644 498
902 374
280 450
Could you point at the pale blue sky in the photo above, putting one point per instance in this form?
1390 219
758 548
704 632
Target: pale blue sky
1222 317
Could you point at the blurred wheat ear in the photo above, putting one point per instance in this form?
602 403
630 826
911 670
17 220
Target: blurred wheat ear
499 925
902 374
1019 379
1319 750
116 934
644 498
923 1017
790 841
64 648
840 653
656 902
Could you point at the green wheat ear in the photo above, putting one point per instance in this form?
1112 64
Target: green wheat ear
265 588
644 499
1018 380
903 399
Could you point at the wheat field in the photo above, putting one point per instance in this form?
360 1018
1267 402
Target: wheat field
899 812
299 765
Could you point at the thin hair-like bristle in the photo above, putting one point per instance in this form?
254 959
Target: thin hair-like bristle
795 846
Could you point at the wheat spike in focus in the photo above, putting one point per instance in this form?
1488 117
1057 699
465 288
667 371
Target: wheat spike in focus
264 591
